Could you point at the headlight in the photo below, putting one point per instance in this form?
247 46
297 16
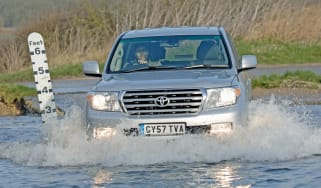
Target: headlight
107 101
222 97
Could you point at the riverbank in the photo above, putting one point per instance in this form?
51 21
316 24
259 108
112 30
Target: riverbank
23 106
28 105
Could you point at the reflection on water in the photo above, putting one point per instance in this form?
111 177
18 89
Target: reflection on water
223 176
102 177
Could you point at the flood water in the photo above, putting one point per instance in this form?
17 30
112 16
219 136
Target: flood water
280 147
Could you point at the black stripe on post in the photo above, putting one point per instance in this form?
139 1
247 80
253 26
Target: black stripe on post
50 90
43 51
54 110
38 92
47 71
36 82
35 72
32 53
45 61
33 63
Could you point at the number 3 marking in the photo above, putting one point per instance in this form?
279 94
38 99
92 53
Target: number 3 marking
48 109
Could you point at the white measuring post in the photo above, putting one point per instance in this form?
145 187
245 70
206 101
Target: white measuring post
42 77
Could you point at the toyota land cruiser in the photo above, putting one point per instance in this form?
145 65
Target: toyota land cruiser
169 82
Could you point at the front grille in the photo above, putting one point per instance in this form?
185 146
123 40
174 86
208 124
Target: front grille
180 101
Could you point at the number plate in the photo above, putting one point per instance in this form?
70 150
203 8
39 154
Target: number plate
163 129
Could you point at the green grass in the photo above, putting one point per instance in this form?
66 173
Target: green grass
58 72
61 71
300 79
20 76
11 92
66 71
279 52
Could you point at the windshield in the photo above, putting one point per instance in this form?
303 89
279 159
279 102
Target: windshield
169 52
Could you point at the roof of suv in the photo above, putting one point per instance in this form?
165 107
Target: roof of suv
167 31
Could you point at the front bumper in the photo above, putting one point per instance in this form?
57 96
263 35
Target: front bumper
235 115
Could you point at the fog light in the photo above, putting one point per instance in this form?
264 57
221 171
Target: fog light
104 132
220 128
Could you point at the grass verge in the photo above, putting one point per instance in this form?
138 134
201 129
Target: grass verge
297 79
58 72
9 93
279 52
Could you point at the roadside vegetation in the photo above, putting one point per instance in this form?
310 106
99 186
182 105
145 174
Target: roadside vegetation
12 92
285 31
14 13
297 79
276 52
12 99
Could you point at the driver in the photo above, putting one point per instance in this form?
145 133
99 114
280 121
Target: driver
142 59
141 55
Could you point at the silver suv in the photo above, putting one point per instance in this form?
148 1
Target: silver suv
169 82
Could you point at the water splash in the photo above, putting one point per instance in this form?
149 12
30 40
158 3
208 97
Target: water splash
274 133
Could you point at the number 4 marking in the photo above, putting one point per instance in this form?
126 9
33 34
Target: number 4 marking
45 90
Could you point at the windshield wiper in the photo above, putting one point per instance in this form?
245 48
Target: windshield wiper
148 68
205 66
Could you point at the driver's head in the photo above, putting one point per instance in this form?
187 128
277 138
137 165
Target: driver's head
141 53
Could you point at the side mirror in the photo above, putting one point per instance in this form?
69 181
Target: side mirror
248 62
91 68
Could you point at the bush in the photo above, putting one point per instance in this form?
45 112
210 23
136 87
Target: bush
87 30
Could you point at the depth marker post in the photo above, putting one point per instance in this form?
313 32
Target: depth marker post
42 77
